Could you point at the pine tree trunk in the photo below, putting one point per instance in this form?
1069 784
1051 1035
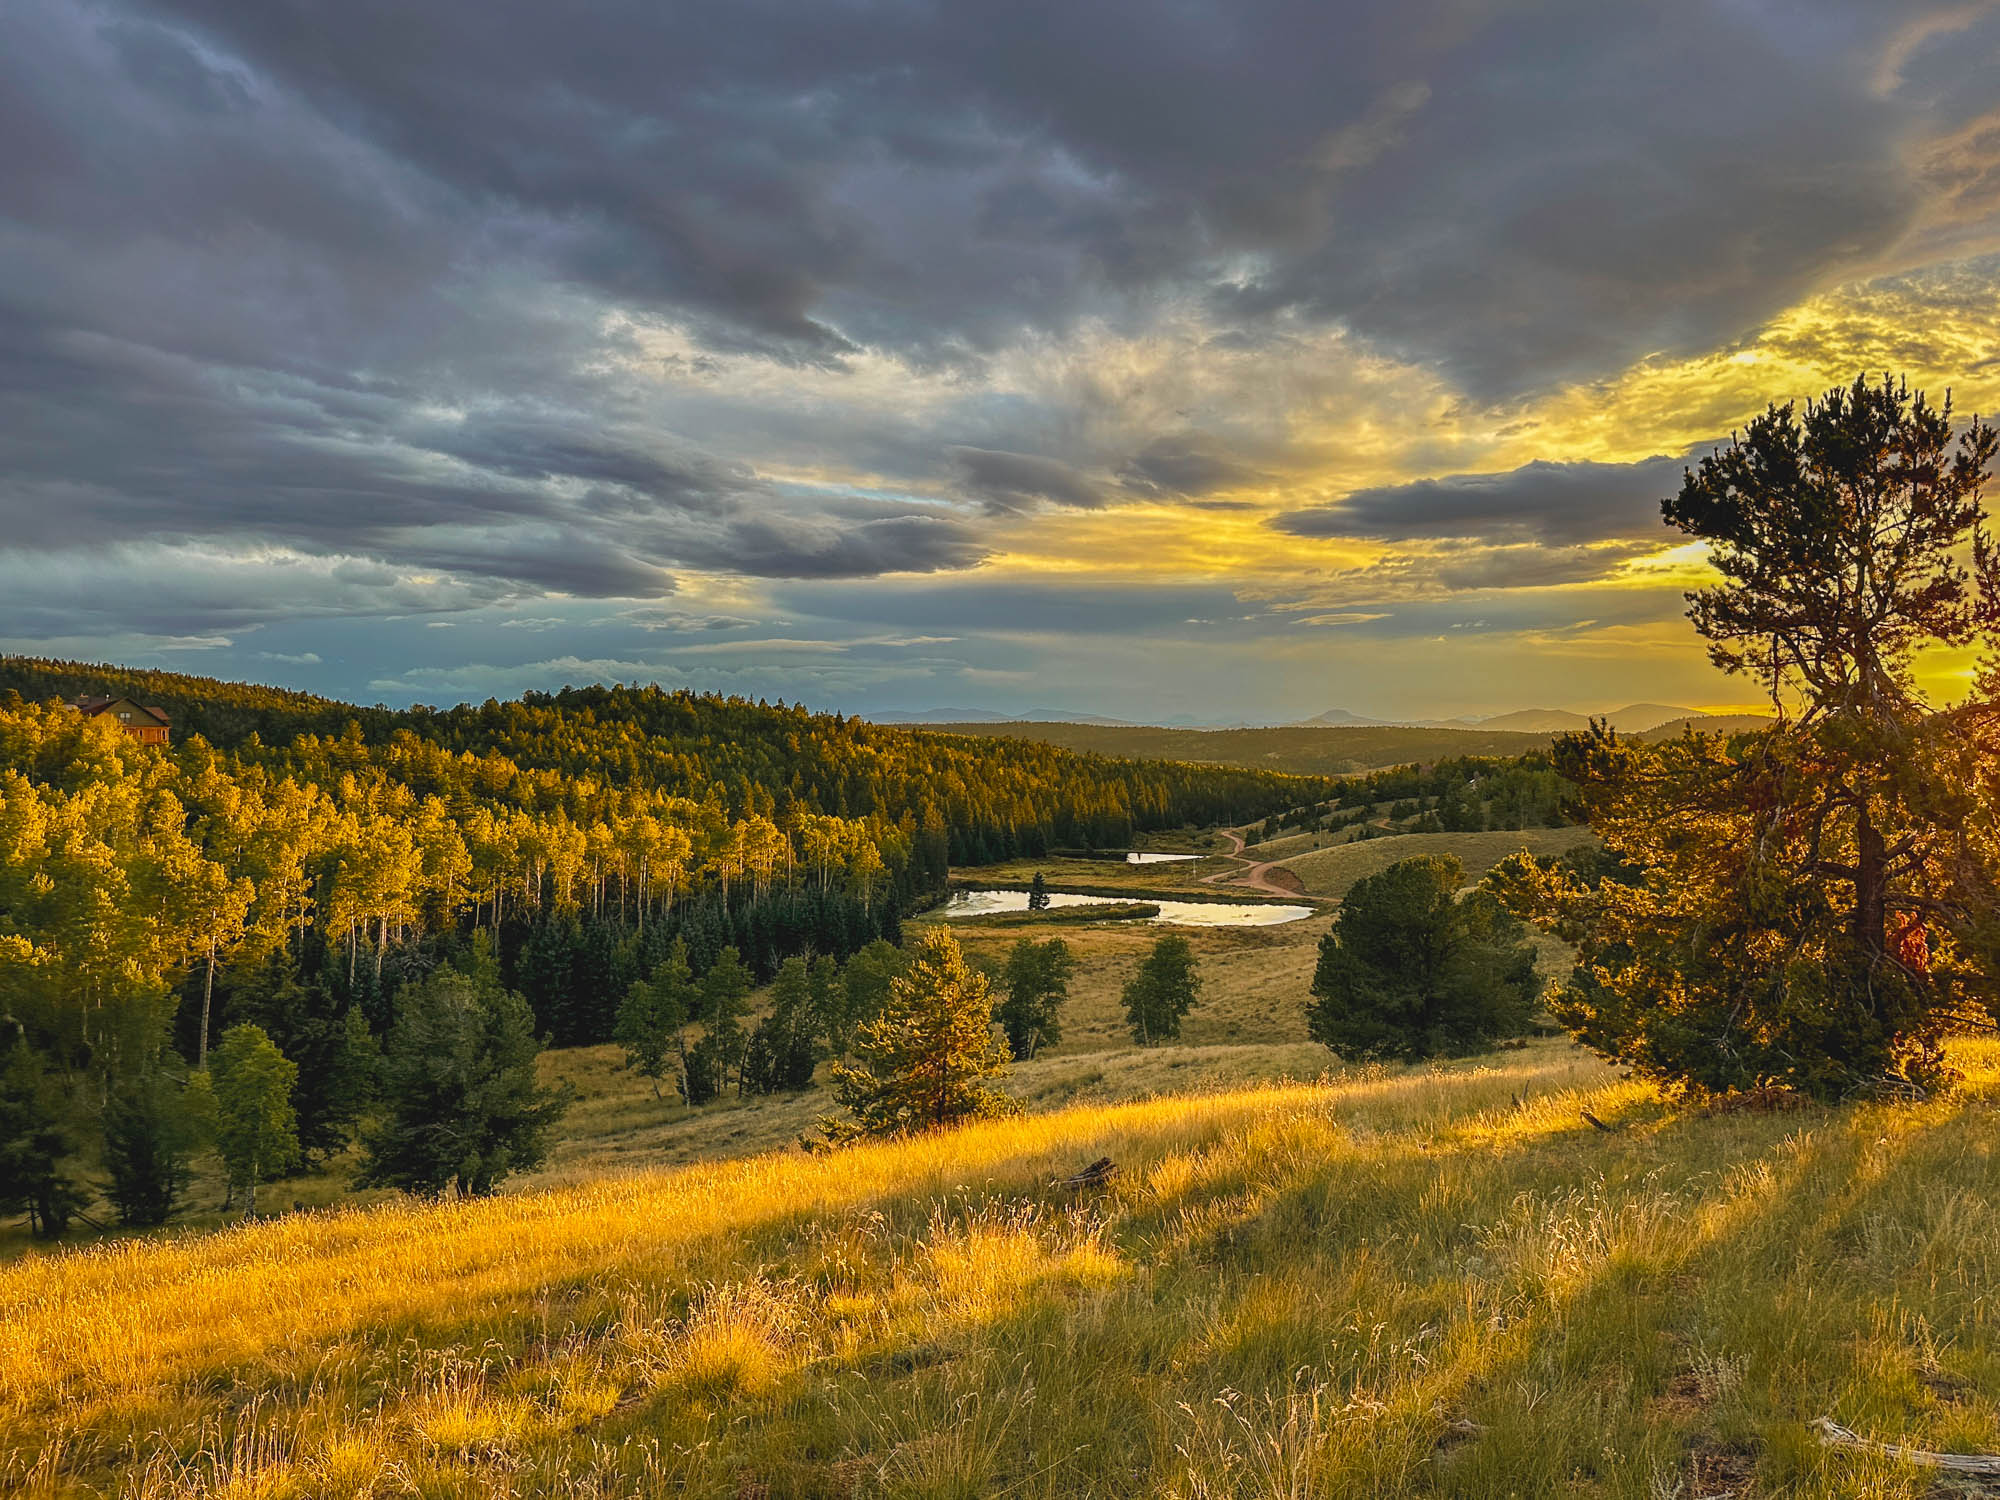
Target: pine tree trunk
1870 887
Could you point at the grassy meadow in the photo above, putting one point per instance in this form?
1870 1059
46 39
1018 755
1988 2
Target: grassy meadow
1381 1283
1302 1281
1327 868
1249 1028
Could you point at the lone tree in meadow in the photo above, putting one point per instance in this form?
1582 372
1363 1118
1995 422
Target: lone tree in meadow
1163 991
925 1061
1409 970
1037 983
1038 893
1813 906
652 1014
462 1106
256 1128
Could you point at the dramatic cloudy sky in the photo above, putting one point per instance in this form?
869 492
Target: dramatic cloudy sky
1147 357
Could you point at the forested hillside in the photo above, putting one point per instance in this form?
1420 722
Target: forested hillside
1314 749
1302 749
299 864
590 747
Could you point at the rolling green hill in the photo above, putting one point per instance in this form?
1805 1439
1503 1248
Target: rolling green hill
1329 872
1300 749
1304 749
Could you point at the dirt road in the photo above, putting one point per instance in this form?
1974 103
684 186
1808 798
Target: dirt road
1252 874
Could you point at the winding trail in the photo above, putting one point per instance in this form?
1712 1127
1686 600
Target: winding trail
1252 874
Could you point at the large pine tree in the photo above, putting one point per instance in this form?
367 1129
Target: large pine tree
1812 906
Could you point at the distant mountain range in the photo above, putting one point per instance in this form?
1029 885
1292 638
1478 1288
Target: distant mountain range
987 716
1633 718
1648 719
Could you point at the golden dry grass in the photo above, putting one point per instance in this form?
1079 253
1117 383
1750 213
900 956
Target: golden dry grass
1328 872
1418 1282
1254 979
1249 1028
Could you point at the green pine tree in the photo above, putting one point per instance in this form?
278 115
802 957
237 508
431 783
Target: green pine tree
784 1049
256 1127
33 1146
1163 991
462 1106
1812 905
1409 970
152 1132
926 1060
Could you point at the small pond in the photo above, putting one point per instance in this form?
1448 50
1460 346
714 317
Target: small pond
1158 859
1172 913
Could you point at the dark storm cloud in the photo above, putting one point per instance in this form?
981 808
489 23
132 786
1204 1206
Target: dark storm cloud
1013 481
558 448
1557 504
1517 190
789 547
369 280
1171 467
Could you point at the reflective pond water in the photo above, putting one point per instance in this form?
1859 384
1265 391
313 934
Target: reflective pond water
1158 859
1172 913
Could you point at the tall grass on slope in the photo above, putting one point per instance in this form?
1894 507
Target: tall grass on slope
1413 1283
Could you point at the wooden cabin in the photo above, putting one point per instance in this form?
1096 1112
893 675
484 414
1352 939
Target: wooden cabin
146 725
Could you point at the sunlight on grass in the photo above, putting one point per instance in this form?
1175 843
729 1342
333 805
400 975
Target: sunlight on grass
737 1340
1388 1282
980 1272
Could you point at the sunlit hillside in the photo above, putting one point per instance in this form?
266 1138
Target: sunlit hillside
1303 749
1425 1282
1330 868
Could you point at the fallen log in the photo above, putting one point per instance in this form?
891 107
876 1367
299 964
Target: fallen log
1096 1174
1978 1465
1592 1119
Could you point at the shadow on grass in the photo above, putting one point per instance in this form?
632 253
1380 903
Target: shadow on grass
1288 1294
